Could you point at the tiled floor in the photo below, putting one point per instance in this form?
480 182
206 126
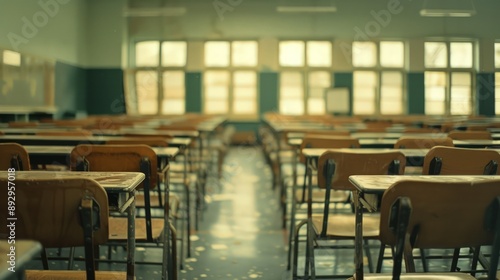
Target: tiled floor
240 235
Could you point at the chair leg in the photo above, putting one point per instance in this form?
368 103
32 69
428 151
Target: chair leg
290 235
425 265
188 222
368 256
71 258
454 261
296 249
475 258
310 246
45 261
380 258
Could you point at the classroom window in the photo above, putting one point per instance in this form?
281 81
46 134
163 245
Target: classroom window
448 78
305 75
158 85
378 83
497 78
230 78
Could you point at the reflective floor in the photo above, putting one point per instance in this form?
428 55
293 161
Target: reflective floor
240 234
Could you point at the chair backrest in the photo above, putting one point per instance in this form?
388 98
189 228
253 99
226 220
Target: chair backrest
19 124
82 132
342 164
420 130
125 158
13 155
312 133
150 141
323 141
47 210
422 143
460 161
469 135
440 220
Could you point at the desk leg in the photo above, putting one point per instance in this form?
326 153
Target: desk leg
359 236
167 265
131 240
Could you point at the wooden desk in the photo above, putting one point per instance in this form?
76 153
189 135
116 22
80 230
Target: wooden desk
120 187
377 184
75 140
25 250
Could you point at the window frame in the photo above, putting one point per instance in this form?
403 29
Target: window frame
159 70
305 71
230 69
378 69
448 70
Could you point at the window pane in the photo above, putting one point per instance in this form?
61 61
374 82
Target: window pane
216 92
318 82
244 53
497 93
245 92
174 53
435 54
461 98
147 53
291 93
497 55
217 53
461 55
173 106
291 53
364 91
173 92
391 93
364 54
319 53
392 54
435 89
11 58
146 83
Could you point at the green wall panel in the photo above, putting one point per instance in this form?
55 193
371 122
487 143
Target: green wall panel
268 92
194 98
105 94
416 93
485 94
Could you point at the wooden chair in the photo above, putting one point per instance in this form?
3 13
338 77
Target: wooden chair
128 158
470 135
150 141
410 218
300 195
62 213
334 169
13 155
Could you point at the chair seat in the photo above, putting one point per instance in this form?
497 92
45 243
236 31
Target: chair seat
318 196
72 275
413 170
421 276
118 228
343 225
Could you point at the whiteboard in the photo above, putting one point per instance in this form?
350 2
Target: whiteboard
337 101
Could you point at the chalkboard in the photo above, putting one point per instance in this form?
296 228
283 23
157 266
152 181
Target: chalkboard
337 101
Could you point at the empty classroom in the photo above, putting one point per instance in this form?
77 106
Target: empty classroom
249 139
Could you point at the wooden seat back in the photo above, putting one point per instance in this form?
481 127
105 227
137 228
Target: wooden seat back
470 135
340 165
126 158
47 210
150 141
13 155
460 161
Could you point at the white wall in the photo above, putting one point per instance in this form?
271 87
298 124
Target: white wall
55 32
105 33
